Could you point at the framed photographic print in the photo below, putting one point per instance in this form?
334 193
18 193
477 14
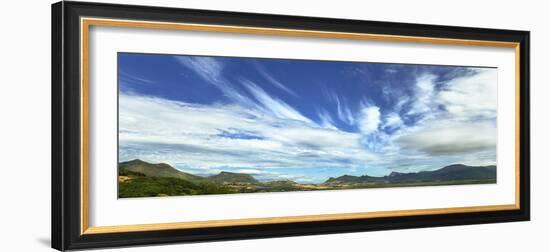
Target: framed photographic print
180 125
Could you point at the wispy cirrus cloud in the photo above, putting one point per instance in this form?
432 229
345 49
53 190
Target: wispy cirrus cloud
325 118
208 68
124 76
272 105
344 113
273 80
392 120
211 70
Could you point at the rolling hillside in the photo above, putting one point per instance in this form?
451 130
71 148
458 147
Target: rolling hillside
157 170
231 177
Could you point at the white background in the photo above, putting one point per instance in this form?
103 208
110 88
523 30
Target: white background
106 210
25 126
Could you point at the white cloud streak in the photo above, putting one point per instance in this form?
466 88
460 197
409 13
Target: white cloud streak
274 81
133 78
392 121
272 105
211 70
342 109
326 119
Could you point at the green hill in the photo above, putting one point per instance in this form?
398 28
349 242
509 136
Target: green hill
161 170
231 177
157 170
138 178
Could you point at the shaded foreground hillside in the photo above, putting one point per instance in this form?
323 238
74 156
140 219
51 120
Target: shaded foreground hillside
137 178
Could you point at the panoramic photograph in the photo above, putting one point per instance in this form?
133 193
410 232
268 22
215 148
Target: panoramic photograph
201 125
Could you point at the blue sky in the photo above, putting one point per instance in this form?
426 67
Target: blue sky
304 120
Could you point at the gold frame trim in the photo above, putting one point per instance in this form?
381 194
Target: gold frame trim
85 24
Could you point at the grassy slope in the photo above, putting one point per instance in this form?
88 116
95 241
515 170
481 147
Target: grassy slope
230 177
157 170
143 186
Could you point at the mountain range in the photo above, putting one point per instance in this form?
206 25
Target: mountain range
447 173
166 171
138 178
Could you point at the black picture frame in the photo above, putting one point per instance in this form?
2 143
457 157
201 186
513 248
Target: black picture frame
66 124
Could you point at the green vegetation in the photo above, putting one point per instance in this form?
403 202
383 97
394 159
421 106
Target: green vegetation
128 173
158 186
141 179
